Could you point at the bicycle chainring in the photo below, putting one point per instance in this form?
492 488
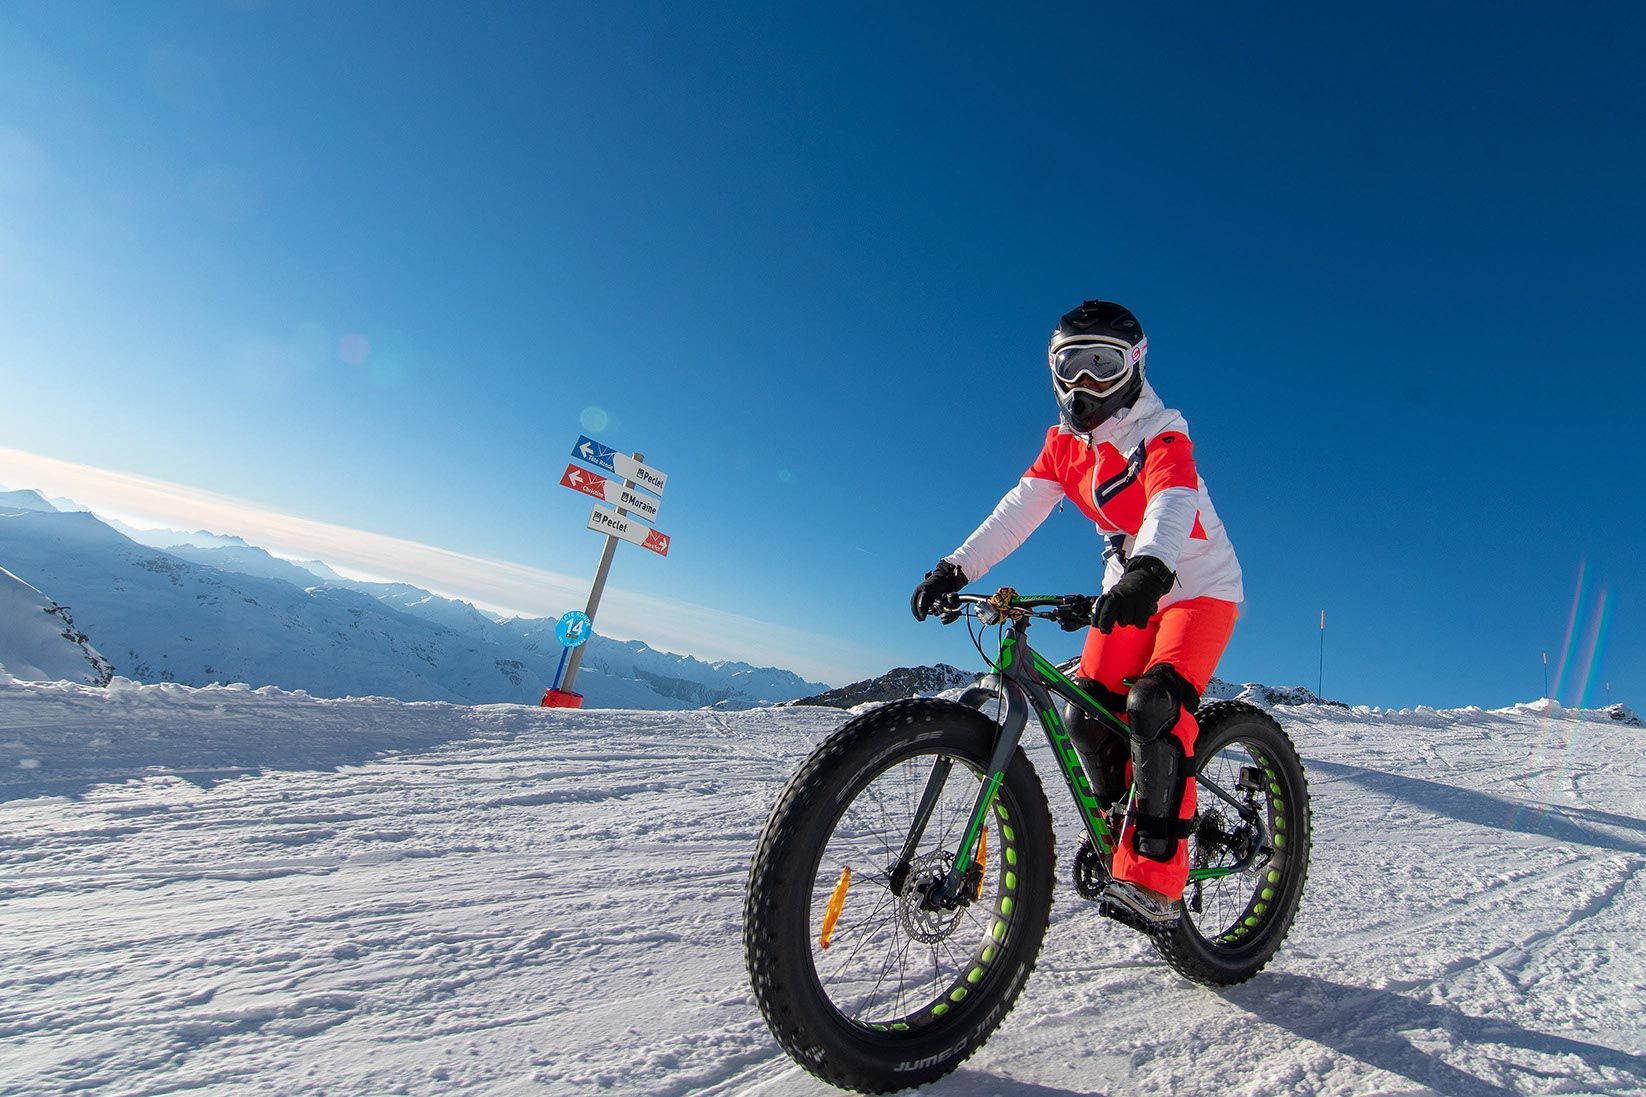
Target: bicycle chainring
1091 870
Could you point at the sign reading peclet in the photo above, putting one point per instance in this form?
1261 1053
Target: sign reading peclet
609 521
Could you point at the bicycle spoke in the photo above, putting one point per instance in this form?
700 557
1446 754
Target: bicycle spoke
894 957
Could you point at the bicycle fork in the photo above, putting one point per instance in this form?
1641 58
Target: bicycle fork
948 896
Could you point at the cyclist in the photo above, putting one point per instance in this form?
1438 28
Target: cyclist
1171 586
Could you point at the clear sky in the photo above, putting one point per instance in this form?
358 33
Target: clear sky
375 268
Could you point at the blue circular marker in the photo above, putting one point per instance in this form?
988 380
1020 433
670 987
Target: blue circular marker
574 628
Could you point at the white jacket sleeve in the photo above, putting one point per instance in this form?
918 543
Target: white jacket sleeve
1018 514
1167 522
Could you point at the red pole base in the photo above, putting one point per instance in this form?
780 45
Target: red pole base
561 698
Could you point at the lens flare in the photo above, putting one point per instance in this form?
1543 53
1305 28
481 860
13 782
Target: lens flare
1581 656
1594 647
353 349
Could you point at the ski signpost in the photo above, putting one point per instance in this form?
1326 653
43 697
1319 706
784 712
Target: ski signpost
627 523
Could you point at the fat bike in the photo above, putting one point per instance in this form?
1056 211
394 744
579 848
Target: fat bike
902 885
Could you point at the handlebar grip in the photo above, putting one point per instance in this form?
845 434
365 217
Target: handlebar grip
1074 612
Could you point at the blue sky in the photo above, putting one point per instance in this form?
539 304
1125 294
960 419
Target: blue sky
378 271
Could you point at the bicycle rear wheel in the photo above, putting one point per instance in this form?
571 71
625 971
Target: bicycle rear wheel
886 992
1234 924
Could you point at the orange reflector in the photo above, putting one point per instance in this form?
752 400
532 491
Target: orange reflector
982 860
836 902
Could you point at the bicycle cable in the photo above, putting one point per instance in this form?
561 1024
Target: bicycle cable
1000 637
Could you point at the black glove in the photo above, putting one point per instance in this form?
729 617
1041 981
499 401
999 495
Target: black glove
940 582
1133 600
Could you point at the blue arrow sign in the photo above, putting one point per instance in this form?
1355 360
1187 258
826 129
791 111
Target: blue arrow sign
587 449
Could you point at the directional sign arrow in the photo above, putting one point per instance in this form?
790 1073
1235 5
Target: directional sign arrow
612 491
610 522
594 453
587 449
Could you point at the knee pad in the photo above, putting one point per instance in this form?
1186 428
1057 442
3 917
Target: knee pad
1155 700
1159 767
1101 752
1159 773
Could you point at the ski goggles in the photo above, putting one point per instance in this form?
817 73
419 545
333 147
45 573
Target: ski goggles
1098 365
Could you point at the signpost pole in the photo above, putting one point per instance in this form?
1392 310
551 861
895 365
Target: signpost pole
1320 682
596 591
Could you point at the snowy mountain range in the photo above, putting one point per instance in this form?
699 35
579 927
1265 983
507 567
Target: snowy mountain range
210 608
894 684
927 680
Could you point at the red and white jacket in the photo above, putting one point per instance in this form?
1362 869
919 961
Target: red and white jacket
1135 478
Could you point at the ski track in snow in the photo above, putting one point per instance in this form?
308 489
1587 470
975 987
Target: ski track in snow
222 890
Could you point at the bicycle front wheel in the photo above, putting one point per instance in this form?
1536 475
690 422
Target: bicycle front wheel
862 981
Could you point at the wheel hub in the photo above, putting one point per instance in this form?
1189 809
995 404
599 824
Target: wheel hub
926 922
1216 834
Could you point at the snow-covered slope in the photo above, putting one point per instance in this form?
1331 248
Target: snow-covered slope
24 500
39 640
247 560
232 612
1255 693
222 890
894 684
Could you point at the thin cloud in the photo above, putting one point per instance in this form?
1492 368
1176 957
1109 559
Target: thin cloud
496 585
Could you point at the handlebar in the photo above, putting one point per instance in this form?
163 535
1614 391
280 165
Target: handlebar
1069 610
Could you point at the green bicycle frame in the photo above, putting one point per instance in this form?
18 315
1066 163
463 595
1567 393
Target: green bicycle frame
1026 681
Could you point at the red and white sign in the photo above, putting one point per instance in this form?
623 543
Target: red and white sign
613 523
612 491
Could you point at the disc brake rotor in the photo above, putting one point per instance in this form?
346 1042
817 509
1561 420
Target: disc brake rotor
927 871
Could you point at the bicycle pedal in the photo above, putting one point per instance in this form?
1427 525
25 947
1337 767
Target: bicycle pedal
1117 906
1130 920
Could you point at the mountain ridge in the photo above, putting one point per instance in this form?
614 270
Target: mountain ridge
200 614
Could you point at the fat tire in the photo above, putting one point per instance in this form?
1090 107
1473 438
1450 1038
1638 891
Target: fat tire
1227 963
801 1017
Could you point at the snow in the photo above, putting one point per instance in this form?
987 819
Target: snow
24 499
226 889
232 612
38 638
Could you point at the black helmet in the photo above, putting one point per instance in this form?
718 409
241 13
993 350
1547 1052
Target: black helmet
1096 357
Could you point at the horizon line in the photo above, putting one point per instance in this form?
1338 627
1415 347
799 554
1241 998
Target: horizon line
500 586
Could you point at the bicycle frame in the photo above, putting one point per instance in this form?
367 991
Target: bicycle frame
1026 682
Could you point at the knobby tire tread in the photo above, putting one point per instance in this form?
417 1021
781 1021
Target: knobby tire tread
784 827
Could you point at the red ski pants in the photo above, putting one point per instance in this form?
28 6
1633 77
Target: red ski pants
1191 636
